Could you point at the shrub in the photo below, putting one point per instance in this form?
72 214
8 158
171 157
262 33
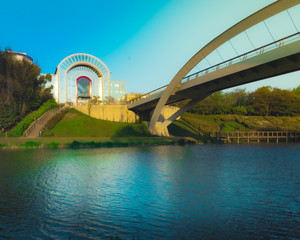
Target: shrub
31 144
181 142
121 144
74 145
52 145
108 144
190 142
8 117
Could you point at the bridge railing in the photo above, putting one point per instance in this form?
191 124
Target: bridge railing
258 51
245 56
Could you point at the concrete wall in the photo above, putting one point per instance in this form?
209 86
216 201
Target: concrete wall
117 113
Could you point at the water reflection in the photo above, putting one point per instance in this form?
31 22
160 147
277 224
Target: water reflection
192 192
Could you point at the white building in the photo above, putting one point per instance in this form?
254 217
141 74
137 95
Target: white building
80 77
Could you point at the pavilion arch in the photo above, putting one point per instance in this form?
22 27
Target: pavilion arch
81 65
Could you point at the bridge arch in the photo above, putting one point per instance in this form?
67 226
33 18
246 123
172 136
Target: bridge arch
259 16
81 65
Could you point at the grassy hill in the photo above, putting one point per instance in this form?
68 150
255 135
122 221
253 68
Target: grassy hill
194 125
77 124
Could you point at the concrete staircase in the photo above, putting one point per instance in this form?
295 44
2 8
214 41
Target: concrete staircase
37 127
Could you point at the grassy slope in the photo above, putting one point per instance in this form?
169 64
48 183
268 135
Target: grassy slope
181 128
77 124
228 123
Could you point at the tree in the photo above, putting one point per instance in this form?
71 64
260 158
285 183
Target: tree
21 88
239 110
273 101
48 77
295 103
239 96
281 101
110 100
96 100
297 90
264 101
217 103
261 101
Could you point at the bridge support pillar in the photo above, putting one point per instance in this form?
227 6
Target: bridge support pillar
161 126
159 130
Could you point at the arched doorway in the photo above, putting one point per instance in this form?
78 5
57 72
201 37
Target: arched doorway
83 89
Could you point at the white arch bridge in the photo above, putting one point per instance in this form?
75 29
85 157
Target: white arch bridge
278 57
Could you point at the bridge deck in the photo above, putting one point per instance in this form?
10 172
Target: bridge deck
281 60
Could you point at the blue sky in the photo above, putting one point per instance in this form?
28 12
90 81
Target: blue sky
144 42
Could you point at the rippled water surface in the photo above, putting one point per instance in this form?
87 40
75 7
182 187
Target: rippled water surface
168 192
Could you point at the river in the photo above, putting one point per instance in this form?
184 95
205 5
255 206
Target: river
165 192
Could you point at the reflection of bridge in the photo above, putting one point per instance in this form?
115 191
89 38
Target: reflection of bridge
279 57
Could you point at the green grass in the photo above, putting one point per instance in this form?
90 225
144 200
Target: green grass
213 123
181 128
77 124
10 133
25 123
230 123
77 130
204 127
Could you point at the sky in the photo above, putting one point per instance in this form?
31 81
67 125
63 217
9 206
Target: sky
144 42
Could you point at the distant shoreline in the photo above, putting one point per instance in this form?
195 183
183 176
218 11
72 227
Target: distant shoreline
22 143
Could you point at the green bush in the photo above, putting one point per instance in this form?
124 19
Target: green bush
31 144
121 144
181 142
74 145
52 145
8 117
190 142
108 144
24 124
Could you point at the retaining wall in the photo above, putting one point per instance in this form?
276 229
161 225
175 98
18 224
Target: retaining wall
117 113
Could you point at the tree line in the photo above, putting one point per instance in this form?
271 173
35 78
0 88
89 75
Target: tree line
265 101
22 89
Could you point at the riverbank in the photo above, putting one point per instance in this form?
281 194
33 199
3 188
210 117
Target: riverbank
230 123
195 125
76 130
96 142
